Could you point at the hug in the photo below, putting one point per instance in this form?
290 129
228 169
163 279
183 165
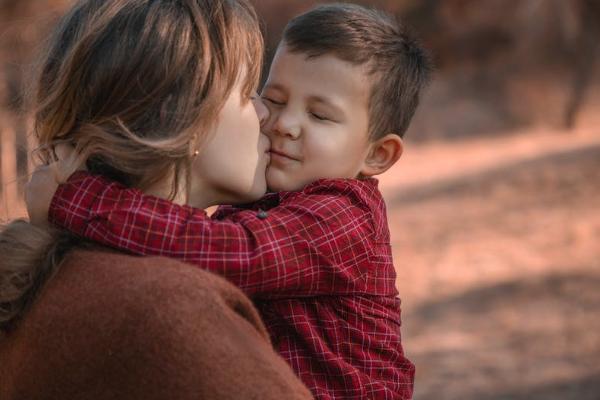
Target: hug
147 113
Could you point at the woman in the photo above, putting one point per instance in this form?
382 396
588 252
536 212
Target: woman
156 95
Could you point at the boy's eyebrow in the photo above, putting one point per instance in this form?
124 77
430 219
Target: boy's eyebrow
275 86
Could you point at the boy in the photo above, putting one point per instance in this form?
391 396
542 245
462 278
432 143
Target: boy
315 256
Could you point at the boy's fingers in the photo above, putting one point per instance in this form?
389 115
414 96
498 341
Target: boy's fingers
68 161
64 151
38 194
45 180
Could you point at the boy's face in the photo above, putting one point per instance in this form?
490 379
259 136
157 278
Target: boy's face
319 119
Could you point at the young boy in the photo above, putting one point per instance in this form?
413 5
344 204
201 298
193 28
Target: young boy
315 256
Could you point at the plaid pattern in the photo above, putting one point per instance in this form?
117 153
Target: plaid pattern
317 263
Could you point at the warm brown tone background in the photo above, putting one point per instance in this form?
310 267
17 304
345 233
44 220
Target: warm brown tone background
494 209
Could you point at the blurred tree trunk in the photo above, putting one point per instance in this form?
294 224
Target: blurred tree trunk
8 163
584 58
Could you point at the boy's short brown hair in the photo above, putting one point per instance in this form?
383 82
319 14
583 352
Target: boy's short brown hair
399 67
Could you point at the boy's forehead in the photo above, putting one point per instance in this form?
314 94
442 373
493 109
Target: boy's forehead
327 75
322 61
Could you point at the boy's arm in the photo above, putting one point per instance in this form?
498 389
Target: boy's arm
297 250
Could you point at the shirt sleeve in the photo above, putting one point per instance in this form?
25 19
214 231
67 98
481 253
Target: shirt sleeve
314 244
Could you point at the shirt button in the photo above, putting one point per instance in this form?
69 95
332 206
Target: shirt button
262 214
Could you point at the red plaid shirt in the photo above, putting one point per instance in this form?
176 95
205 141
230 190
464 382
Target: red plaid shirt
317 264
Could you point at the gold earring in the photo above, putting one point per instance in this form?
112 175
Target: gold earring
196 152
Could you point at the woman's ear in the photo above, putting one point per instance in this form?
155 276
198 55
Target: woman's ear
383 154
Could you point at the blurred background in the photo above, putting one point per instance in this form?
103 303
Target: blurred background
494 208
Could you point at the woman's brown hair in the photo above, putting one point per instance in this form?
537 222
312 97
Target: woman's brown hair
134 85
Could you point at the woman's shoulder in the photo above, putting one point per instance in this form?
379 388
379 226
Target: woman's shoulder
152 326
125 278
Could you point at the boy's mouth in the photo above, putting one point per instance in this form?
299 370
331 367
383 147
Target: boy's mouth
282 155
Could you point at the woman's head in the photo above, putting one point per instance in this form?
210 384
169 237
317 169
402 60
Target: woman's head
137 85
231 167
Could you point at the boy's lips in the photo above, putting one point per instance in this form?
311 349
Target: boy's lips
281 154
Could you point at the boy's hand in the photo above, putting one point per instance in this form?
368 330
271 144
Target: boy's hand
39 192
44 182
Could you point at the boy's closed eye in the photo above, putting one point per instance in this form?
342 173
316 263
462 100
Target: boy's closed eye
320 116
317 107
323 111
273 100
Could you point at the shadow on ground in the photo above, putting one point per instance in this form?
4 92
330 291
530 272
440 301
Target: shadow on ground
580 389
535 339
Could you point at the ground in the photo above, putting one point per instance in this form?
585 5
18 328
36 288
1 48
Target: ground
497 247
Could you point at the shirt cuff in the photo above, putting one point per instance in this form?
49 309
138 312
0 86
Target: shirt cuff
72 202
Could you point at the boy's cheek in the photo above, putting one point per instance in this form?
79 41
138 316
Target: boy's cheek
271 182
276 180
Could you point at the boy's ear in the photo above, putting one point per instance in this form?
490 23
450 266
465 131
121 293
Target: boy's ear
383 154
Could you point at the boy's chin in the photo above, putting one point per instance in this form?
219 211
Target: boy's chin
277 182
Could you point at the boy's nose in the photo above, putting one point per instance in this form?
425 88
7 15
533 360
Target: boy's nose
286 125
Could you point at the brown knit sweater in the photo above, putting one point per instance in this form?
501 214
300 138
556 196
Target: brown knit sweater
112 326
